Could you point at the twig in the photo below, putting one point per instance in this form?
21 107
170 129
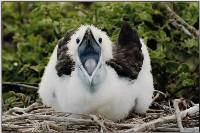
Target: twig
160 92
62 119
152 124
156 96
45 126
120 125
23 88
14 127
179 26
94 117
185 26
36 127
170 107
55 127
155 110
164 107
20 85
192 130
46 117
166 129
177 114
22 110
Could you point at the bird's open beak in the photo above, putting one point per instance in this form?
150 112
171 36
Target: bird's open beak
89 53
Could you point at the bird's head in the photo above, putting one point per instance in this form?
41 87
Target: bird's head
90 48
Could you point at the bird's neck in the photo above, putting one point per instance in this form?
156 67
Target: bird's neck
97 78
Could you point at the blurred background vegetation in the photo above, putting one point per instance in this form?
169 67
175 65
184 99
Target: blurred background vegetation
32 29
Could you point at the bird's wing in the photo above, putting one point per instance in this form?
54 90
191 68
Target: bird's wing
127 54
65 64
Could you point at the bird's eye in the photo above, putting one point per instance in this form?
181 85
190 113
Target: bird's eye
77 40
100 40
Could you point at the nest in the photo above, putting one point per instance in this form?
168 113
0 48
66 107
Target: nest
161 117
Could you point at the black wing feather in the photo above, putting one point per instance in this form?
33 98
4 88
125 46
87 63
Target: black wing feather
65 64
127 54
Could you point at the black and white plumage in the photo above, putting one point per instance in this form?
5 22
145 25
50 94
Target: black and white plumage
87 73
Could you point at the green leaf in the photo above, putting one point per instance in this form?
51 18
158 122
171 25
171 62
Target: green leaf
183 68
171 67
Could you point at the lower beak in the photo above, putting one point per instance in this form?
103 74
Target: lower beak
89 53
89 78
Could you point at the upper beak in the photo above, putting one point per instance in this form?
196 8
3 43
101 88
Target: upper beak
89 53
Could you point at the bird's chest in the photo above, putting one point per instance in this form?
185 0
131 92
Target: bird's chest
112 99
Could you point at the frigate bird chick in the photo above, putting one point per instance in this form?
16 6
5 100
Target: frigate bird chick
88 73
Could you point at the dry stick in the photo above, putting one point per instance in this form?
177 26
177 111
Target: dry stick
164 107
179 26
55 127
28 109
60 119
177 114
192 130
171 110
23 88
23 110
156 96
46 117
14 110
161 93
187 27
20 85
36 127
120 125
45 126
13 127
152 124
166 129
94 117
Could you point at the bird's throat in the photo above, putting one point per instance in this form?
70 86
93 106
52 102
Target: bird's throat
90 65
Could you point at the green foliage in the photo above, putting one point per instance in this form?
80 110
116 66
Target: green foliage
32 29
13 99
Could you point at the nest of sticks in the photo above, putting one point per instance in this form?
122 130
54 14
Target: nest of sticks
160 117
